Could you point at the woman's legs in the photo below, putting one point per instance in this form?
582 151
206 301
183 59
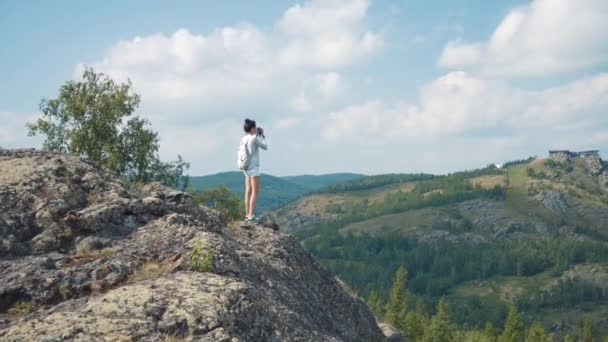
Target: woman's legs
254 186
248 191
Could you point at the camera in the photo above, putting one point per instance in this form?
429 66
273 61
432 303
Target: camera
260 131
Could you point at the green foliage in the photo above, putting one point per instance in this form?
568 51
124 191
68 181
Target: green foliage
586 333
513 330
442 328
375 303
198 261
476 336
396 307
274 191
371 182
68 233
414 326
106 252
490 331
89 119
536 333
518 162
21 308
224 200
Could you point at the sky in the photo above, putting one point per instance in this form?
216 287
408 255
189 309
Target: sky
339 86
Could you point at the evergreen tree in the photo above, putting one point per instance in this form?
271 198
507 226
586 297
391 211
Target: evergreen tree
513 330
568 338
374 302
414 327
586 334
396 307
416 321
421 311
536 333
441 328
476 336
490 331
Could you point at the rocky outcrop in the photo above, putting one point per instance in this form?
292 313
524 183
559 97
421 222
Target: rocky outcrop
86 256
552 200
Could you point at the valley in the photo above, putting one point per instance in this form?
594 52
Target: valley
533 233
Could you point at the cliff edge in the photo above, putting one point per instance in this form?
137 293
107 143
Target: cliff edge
85 256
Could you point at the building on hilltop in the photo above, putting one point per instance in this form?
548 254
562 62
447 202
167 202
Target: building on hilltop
590 153
563 155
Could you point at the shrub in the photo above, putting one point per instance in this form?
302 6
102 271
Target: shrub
200 262
21 308
230 206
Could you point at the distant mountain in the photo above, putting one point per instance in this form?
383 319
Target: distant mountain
276 191
534 234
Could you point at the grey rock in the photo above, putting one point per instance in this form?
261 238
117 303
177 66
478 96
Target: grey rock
552 200
101 260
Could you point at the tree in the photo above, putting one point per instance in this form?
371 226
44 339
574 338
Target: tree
414 326
536 333
441 328
396 307
514 329
221 198
374 302
416 321
90 118
490 331
476 336
586 334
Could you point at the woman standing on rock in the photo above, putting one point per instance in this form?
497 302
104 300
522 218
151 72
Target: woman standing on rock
249 162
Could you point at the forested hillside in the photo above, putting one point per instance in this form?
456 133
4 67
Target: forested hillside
533 234
277 191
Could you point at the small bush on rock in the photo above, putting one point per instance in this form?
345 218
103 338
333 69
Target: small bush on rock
21 308
200 262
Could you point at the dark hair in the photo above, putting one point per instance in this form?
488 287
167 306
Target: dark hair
249 124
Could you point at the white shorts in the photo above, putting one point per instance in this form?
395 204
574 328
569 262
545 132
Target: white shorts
253 172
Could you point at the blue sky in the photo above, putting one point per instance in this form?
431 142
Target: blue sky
364 86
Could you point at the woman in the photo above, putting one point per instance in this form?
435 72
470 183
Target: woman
252 142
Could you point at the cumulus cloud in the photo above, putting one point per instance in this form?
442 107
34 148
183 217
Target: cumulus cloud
243 61
459 103
539 38
316 91
326 34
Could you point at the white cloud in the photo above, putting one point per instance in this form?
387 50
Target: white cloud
317 91
13 132
326 34
243 62
329 83
458 54
459 103
539 38
228 62
288 122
